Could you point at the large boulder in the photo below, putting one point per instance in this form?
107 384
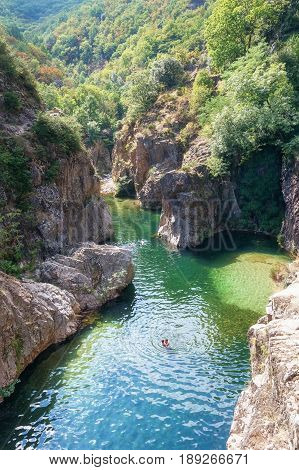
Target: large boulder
35 315
267 412
93 274
32 317
195 206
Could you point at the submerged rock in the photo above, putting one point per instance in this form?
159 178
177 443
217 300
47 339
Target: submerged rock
94 274
267 412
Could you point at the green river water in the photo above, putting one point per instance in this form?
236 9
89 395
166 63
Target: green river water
113 386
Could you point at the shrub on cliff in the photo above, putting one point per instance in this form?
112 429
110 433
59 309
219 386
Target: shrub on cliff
11 242
15 176
168 72
202 91
12 101
61 131
140 94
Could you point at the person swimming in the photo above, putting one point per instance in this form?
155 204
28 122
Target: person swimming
165 343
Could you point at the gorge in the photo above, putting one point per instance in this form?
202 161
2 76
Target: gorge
149 159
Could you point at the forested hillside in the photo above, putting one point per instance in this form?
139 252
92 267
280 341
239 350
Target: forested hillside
231 64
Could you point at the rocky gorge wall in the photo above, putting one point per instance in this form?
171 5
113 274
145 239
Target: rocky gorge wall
165 161
70 210
267 412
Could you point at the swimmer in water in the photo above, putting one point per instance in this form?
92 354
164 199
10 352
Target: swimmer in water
165 343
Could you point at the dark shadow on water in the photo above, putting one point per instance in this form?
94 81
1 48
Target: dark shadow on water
224 248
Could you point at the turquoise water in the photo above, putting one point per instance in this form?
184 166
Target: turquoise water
113 386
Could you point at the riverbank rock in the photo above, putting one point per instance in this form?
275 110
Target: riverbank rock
93 274
33 316
195 206
267 412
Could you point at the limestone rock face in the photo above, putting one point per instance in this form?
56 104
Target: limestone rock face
290 189
33 316
71 211
136 155
195 206
267 412
101 158
93 274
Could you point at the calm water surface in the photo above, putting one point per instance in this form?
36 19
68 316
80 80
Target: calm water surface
114 387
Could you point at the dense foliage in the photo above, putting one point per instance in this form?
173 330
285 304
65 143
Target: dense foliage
107 61
59 131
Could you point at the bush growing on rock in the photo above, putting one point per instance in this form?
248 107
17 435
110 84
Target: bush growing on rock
11 101
15 176
203 88
11 242
140 94
61 131
167 72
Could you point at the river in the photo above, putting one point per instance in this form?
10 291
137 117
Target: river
113 385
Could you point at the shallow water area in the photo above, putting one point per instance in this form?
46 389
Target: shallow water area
114 386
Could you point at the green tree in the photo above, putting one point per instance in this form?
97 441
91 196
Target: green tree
140 94
259 108
168 72
202 91
235 25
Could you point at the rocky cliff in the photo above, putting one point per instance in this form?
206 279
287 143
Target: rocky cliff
290 188
35 315
47 178
267 412
70 210
166 162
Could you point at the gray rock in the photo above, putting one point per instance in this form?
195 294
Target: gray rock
93 274
194 207
33 316
71 211
267 412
